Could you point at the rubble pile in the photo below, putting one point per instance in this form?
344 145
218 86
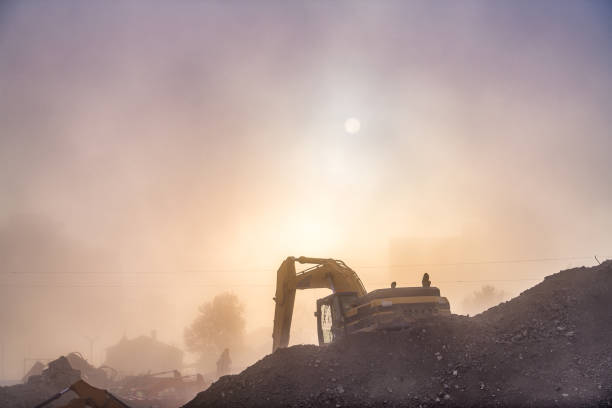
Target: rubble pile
38 388
36 369
102 377
142 391
166 389
550 346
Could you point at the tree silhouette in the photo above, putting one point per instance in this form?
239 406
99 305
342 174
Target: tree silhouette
479 301
220 324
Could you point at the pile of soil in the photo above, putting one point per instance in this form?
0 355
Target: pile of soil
550 346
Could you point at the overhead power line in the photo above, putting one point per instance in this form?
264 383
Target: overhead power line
268 269
505 261
214 285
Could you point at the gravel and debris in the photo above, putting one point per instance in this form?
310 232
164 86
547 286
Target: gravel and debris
56 377
143 391
550 346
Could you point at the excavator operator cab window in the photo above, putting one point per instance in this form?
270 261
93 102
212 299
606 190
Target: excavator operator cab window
330 315
326 323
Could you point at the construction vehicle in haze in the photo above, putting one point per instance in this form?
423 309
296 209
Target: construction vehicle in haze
350 308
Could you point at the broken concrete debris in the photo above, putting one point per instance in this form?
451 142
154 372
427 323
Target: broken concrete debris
162 390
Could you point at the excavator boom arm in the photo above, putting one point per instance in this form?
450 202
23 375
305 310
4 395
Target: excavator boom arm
326 273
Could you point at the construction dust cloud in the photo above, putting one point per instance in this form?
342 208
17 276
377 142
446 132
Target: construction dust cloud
155 156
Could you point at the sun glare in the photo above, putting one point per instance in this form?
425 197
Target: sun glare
352 125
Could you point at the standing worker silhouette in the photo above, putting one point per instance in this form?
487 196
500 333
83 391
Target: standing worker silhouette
224 363
426 282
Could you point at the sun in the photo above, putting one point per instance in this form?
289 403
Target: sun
352 125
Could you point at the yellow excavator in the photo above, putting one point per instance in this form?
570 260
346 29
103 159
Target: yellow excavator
350 308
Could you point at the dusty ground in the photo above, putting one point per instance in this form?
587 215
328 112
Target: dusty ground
548 347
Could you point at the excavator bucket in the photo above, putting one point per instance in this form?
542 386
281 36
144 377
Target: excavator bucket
89 396
96 395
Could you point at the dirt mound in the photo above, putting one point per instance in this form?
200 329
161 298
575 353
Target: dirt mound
549 346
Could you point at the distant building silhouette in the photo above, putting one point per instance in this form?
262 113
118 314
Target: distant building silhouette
143 354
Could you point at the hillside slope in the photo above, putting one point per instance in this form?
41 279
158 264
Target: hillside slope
549 346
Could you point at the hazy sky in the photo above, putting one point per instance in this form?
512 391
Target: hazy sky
153 154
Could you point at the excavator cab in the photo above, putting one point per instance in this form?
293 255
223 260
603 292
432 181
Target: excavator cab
330 315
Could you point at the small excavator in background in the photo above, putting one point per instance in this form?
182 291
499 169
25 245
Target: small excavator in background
350 308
